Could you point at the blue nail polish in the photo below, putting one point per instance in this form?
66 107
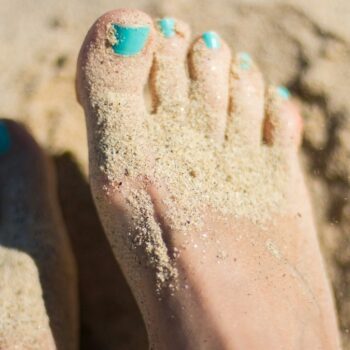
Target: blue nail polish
5 141
245 60
283 92
212 40
167 26
129 40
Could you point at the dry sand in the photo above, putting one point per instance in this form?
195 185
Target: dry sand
302 44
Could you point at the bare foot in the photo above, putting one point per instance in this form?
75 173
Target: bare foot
38 297
202 199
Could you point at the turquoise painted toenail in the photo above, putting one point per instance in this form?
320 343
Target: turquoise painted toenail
245 60
283 92
212 40
167 27
5 141
129 40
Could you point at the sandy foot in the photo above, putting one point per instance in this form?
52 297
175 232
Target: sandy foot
38 296
201 194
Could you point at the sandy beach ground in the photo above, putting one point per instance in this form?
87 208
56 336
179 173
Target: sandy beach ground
304 45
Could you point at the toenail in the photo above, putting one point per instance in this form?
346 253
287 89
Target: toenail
167 27
129 41
283 92
245 60
5 141
212 40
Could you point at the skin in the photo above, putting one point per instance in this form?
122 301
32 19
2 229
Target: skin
35 252
271 292
236 304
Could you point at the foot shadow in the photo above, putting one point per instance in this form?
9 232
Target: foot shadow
110 318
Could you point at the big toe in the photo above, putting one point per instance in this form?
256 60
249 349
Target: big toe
113 68
116 55
34 251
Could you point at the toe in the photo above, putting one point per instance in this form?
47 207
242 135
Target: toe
247 102
169 80
34 249
116 56
283 124
209 63
113 68
19 153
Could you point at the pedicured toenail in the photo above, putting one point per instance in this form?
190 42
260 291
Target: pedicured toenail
283 92
245 60
167 27
212 40
129 41
5 141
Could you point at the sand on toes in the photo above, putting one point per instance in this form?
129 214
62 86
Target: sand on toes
211 173
128 147
38 292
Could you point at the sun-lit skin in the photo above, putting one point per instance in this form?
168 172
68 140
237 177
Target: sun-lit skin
239 284
268 294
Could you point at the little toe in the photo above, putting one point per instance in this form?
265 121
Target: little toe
283 124
169 78
37 271
209 64
113 68
247 92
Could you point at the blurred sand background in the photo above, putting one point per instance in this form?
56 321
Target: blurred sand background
304 45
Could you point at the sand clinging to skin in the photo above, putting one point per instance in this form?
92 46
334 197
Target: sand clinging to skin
191 172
